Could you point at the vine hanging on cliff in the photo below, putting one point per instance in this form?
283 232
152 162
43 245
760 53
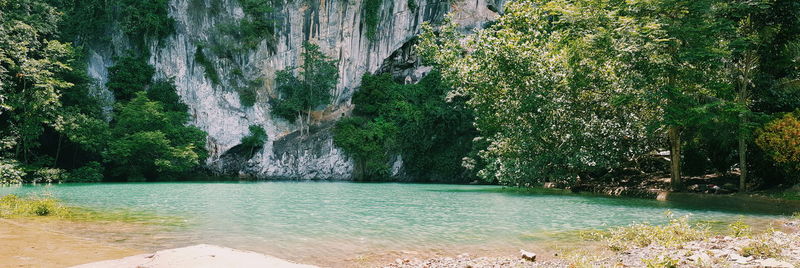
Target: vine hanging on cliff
372 17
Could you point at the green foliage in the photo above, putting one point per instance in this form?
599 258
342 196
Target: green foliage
415 121
762 248
372 17
48 175
151 142
369 142
780 139
208 66
140 20
661 262
570 90
30 63
561 104
258 23
130 74
146 18
165 93
675 233
412 5
238 37
91 172
11 172
256 138
248 95
310 88
14 206
740 229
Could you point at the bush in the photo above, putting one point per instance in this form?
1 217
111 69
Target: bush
780 140
48 175
676 232
12 205
130 74
208 66
372 17
248 95
91 172
762 248
11 172
740 229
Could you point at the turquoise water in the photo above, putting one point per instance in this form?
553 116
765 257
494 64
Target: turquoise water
297 220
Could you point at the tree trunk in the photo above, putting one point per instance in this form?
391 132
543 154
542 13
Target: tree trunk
58 150
675 159
743 158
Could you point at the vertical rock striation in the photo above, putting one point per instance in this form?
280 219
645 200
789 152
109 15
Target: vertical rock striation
335 25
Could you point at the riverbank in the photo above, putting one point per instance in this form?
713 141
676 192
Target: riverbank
778 246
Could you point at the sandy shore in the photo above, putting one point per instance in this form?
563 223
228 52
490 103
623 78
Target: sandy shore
28 244
33 243
198 256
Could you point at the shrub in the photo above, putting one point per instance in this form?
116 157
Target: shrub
248 95
740 229
780 139
11 172
208 66
130 74
91 172
13 205
48 175
761 248
661 262
372 17
676 232
256 139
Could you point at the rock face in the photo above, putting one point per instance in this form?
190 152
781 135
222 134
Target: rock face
335 25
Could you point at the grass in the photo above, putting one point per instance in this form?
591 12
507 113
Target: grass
672 234
13 206
762 248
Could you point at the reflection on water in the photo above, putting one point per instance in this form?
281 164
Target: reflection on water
327 223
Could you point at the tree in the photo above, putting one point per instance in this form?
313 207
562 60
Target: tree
414 121
309 89
779 139
149 142
369 142
256 139
30 63
554 87
130 74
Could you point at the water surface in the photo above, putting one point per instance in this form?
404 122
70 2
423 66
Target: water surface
314 222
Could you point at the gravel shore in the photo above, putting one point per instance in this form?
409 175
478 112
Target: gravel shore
775 248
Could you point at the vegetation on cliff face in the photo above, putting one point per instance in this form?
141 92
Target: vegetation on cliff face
304 90
569 91
415 122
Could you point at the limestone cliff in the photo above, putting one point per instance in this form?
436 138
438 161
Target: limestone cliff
335 25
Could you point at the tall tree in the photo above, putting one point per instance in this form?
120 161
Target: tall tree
30 63
555 86
310 88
